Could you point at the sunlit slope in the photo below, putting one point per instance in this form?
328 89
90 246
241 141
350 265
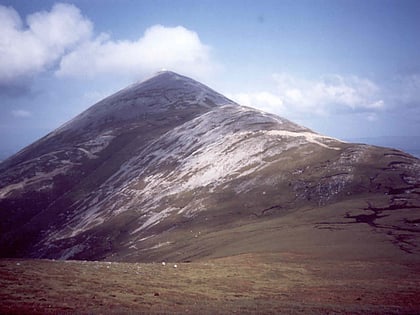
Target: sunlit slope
169 168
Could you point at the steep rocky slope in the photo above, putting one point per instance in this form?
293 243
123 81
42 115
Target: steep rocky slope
170 169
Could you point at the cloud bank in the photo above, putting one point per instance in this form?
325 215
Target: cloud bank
63 42
175 48
31 48
292 96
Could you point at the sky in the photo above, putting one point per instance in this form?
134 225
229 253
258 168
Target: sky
344 68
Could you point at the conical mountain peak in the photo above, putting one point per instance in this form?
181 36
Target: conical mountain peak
131 178
168 74
163 78
177 87
165 95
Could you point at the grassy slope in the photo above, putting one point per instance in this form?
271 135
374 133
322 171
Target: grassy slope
249 283
344 229
284 210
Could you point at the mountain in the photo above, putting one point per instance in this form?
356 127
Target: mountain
168 169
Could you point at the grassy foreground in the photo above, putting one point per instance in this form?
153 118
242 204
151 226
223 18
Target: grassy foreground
249 283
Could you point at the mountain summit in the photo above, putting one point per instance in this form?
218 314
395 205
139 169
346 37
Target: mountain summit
170 169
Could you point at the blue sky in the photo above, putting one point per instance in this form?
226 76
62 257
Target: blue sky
348 69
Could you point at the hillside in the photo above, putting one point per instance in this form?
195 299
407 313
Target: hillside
268 283
168 169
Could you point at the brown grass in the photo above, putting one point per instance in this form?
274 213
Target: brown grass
249 283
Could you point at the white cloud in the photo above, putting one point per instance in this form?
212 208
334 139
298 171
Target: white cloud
21 113
263 100
329 93
62 40
292 96
28 49
175 48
